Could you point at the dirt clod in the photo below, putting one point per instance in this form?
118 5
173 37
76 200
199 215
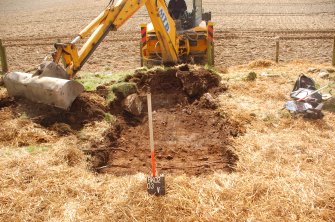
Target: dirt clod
112 135
123 89
62 129
197 82
6 102
86 108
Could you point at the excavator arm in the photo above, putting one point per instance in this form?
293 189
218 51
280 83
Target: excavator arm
111 19
53 85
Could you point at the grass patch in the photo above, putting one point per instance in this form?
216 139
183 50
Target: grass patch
252 76
33 149
90 81
110 97
109 118
123 89
214 70
24 115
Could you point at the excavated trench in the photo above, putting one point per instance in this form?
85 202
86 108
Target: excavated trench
191 136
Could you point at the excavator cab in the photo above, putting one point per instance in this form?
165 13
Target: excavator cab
194 39
196 16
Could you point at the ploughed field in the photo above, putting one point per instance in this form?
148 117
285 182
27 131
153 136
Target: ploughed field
244 31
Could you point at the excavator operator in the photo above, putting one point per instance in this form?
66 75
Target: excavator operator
177 8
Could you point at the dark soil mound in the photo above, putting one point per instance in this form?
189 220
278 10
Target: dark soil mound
173 86
83 110
6 102
86 108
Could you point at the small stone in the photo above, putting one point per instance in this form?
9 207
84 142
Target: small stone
266 74
169 157
323 74
253 114
326 96
206 165
207 101
312 70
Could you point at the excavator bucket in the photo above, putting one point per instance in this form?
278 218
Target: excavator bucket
44 88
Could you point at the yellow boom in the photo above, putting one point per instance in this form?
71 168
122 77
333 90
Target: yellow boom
112 19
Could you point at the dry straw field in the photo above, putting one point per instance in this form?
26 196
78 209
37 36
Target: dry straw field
244 160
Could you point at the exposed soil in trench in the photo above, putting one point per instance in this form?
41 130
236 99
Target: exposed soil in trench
190 134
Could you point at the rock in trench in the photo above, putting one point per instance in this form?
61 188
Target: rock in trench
133 104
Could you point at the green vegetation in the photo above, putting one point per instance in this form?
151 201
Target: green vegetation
24 115
252 76
90 81
109 118
33 149
123 89
110 97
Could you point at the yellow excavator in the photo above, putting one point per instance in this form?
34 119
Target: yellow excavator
164 41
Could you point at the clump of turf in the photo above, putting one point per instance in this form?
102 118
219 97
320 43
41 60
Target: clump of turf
123 89
252 76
